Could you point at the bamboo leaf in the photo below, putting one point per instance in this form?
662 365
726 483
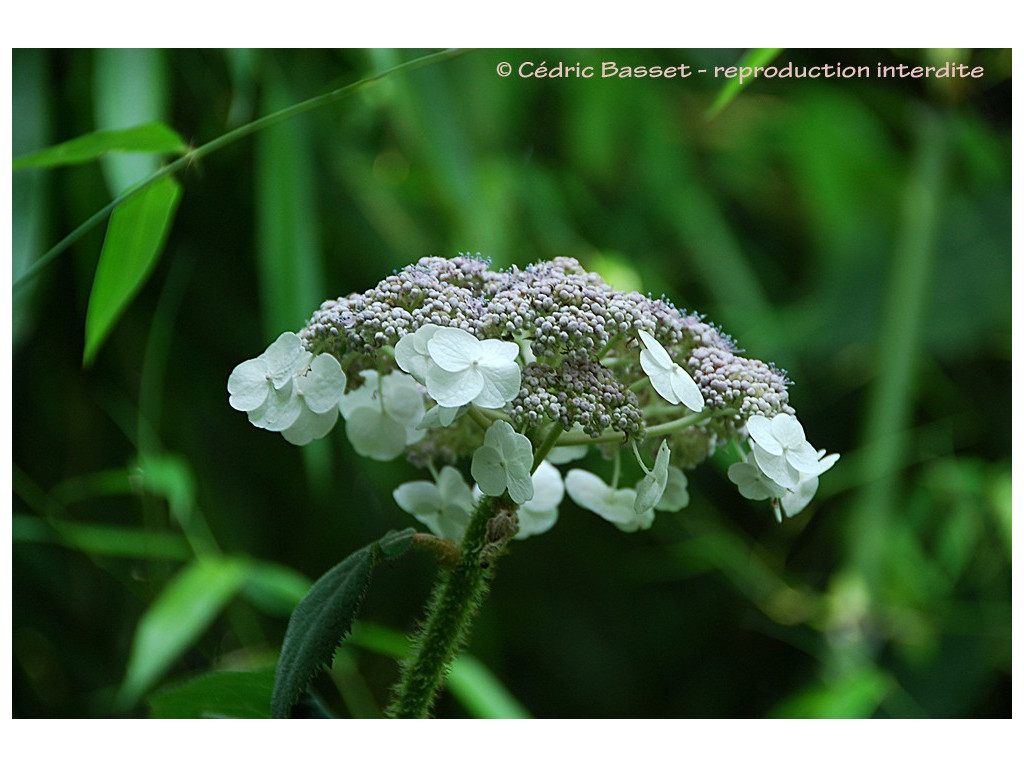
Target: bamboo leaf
135 236
755 57
177 618
154 138
324 617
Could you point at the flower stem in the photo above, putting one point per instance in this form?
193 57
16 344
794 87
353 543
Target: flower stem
454 602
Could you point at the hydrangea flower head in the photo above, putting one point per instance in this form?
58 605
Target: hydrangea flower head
452 363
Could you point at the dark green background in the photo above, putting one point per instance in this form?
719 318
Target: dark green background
856 232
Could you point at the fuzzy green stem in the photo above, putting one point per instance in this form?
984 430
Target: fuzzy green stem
658 430
454 602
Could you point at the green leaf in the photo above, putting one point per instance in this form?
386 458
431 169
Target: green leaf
222 694
856 695
323 619
104 540
151 137
135 236
755 57
177 618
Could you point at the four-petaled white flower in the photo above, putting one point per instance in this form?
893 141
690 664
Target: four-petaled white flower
616 505
669 379
458 368
288 390
652 485
383 415
781 450
504 462
537 515
445 508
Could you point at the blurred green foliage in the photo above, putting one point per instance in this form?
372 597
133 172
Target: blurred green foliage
856 232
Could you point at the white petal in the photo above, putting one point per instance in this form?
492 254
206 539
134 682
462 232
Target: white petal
248 385
496 351
310 426
286 357
402 399
775 467
788 430
533 522
418 498
760 430
548 489
324 385
686 389
749 482
803 458
454 490
453 349
363 397
795 501
409 359
826 463
659 355
661 379
280 410
487 470
451 524
375 435
520 485
564 454
454 389
586 489
501 381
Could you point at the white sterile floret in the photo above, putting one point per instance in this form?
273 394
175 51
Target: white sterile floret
383 415
781 450
614 505
287 390
753 484
445 508
652 485
676 495
251 382
468 370
669 379
504 462
540 513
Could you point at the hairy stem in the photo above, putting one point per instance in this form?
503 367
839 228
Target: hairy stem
454 602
